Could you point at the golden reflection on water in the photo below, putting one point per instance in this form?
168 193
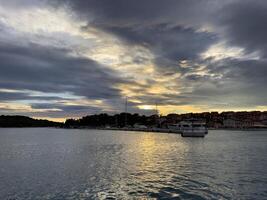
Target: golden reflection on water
150 163
155 157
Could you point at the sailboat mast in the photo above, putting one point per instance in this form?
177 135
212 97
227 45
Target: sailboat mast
126 105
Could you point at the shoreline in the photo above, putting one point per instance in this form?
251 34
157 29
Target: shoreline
163 130
154 130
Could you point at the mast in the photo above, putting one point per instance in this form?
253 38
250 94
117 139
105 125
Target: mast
126 105
157 112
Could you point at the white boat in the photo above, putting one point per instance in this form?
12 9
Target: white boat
190 128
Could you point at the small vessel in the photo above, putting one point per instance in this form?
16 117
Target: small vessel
190 128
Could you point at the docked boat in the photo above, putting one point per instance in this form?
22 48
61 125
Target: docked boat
190 128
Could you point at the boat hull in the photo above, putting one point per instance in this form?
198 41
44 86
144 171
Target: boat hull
193 134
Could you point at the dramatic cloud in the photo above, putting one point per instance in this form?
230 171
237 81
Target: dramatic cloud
63 58
244 23
47 69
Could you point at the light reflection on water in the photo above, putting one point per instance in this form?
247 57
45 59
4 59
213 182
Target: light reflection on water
89 164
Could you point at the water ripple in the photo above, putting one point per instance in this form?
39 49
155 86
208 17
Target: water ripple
86 164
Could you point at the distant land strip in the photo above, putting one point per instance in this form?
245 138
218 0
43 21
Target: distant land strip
213 120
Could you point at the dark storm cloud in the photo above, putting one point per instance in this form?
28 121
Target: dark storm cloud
157 25
169 27
245 24
49 69
14 96
65 108
10 96
251 73
169 43
239 82
131 12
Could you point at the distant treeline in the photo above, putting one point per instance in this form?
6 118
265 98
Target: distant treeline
213 120
22 121
117 120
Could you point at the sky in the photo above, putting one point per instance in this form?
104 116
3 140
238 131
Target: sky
66 59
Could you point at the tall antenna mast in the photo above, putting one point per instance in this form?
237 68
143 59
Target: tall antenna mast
126 105
157 112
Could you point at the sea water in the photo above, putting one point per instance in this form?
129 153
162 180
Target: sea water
47 163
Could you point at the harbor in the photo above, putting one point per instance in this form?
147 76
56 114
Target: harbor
184 128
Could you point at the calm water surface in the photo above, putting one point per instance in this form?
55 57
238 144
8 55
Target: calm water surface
92 164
